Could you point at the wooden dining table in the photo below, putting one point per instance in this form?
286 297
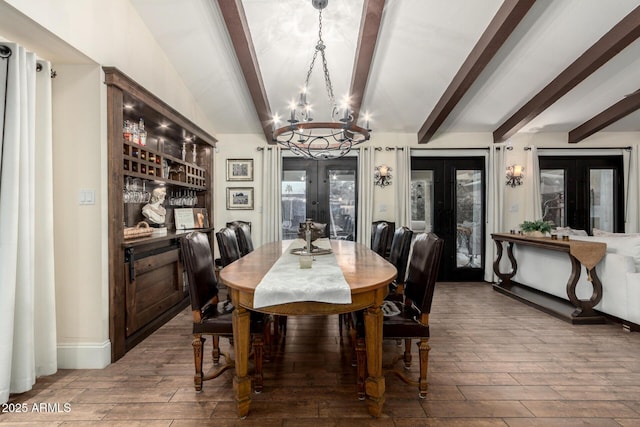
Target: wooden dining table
368 276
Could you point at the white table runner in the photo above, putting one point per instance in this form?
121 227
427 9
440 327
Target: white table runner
286 282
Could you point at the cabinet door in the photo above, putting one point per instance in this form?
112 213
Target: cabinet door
154 285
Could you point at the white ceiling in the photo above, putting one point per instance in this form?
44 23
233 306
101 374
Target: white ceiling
421 45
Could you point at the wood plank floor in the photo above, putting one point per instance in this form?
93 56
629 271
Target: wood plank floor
494 362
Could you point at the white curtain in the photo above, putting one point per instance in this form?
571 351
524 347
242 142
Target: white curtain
533 205
365 194
632 193
403 187
271 229
27 287
495 207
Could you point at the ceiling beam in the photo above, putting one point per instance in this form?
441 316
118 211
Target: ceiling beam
613 42
497 32
367 38
620 109
236 22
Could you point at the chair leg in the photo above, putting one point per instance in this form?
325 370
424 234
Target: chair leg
407 353
267 338
424 348
279 327
354 343
361 356
197 343
258 347
215 353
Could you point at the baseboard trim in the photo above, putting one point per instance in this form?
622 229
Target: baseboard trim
84 355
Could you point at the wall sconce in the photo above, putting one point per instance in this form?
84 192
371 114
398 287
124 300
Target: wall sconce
514 175
382 175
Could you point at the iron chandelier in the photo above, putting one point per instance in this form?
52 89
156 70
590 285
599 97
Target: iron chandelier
320 140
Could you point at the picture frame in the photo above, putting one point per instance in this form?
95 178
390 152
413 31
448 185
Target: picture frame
191 218
239 169
239 198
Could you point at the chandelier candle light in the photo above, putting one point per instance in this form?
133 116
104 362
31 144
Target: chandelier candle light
320 140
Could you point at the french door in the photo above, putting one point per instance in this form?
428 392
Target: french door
325 191
584 192
448 198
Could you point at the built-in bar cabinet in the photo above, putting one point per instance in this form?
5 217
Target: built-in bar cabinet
150 145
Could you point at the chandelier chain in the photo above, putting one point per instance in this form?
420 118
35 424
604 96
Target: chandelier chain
320 46
319 140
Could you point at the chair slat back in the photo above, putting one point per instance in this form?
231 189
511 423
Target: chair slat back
228 246
423 270
379 238
399 253
243 234
199 267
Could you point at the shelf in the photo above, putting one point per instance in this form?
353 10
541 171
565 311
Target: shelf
550 304
130 243
140 161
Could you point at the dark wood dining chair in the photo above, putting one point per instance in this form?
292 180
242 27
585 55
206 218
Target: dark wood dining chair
228 246
243 234
380 231
412 320
391 226
212 315
399 257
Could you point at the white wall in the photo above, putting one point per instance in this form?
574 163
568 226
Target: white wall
81 235
238 146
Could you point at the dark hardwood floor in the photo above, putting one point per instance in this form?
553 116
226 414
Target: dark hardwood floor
494 362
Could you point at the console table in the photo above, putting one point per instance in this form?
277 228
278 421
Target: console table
580 253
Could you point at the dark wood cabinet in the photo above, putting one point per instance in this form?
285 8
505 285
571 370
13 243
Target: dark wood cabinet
146 284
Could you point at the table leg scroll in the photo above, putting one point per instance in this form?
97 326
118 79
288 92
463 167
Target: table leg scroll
241 340
505 278
374 384
584 308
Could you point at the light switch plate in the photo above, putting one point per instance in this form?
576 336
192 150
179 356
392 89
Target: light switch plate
87 197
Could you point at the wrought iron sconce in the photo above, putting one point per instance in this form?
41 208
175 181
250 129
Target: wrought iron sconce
514 175
382 175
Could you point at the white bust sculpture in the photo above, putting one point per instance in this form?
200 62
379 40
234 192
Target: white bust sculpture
154 211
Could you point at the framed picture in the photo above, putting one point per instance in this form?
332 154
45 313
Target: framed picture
239 198
239 169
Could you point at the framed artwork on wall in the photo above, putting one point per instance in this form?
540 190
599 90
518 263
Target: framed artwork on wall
239 169
239 198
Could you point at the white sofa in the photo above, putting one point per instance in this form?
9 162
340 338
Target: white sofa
619 272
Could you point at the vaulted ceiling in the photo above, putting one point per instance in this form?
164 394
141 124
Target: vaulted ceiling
416 66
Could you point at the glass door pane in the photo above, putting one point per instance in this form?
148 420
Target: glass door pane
469 218
422 201
342 203
552 191
294 202
601 199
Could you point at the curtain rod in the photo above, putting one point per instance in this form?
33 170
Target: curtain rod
452 148
627 148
